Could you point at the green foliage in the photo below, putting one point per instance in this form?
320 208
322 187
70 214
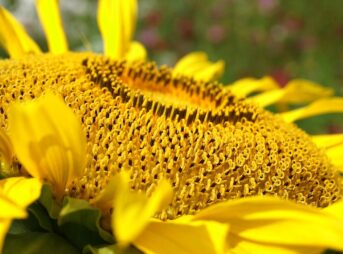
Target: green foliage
111 249
35 235
58 228
48 200
286 39
37 221
42 217
80 223
332 252
37 243
254 37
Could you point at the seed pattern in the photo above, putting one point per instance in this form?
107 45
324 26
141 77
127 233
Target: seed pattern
210 145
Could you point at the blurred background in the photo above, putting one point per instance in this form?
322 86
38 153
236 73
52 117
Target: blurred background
282 38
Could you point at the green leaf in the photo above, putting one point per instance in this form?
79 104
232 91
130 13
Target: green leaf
332 252
24 226
41 216
37 243
80 223
37 221
48 200
110 249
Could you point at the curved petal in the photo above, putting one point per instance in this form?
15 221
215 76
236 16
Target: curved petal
6 149
22 191
268 98
274 221
335 209
4 227
13 36
188 61
183 236
15 195
328 141
197 65
304 91
117 21
132 210
136 52
52 145
322 106
242 246
333 145
296 91
9 210
211 72
104 200
49 15
336 154
246 86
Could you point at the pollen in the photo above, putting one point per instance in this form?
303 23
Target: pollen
210 145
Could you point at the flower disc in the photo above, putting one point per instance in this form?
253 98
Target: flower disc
210 145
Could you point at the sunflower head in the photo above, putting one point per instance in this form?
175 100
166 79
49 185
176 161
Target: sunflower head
210 144
167 153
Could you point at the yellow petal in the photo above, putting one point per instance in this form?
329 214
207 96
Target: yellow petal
188 61
4 227
15 195
132 210
327 141
333 145
117 21
296 91
6 149
305 91
322 106
49 15
211 72
104 200
268 220
183 237
22 191
9 209
136 52
197 65
246 86
52 145
336 154
268 98
13 36
241 246
335 209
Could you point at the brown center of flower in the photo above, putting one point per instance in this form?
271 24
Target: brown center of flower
211 145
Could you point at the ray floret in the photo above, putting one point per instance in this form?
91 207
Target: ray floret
13 36
50 17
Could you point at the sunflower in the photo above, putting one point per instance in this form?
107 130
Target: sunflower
128 156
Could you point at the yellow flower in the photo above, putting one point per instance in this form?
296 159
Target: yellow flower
252 225
219 151
116 20
13 36
16 194
6 153
198 66
51 147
